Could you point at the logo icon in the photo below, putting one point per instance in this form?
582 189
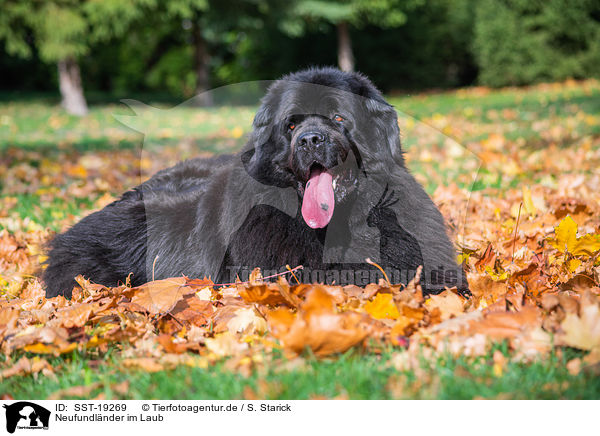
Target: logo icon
26 415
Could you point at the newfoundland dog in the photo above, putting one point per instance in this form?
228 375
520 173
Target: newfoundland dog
321 183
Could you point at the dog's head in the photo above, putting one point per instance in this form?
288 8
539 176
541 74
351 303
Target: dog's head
316 131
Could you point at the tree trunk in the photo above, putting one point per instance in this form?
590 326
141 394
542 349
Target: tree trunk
201 65
345 56
71 90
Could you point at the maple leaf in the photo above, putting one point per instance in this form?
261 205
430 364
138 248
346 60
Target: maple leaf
246 320
566 240
382 307
267 294
326 333
448 303
193 309
318 326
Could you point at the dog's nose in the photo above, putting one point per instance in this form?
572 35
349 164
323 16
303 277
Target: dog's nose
311 139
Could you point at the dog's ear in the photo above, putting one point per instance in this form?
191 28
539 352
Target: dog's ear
262 164
386 122
263 116
262 124
256 164
255 155
262 154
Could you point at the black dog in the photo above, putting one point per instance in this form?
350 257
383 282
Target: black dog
320 183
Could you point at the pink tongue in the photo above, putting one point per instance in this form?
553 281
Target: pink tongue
318 203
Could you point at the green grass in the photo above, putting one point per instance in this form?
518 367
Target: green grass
35 125
351 375
531 104
40 122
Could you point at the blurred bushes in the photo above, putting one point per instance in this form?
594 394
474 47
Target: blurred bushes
443 43
517 42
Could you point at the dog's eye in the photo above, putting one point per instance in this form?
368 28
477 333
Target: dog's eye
291 126
338 118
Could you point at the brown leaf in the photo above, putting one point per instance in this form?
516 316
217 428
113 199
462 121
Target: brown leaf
121 388
318 326
448 303
144 363
23 366
318 301
326 333
499 325
160 296
75 391
266 294
404 326
574 366
170 346
222 316
193 309
75 316
8 317
488 258
280 321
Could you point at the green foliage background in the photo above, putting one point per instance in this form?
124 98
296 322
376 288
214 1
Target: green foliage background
146 45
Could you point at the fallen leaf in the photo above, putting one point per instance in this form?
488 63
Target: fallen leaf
382 307
566 239
144 363
319 327
500 325
247 321
160 296
582 331
225 344
75 316
574 366
448 303
75 391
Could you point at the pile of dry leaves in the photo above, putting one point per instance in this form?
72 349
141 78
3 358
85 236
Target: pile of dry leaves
532 260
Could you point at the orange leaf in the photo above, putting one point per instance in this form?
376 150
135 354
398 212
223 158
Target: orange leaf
40 348
500 325
448 302
318 326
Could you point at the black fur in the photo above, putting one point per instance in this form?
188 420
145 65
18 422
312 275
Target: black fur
223 216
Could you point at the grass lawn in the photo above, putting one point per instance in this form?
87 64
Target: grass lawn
55 168
349 376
